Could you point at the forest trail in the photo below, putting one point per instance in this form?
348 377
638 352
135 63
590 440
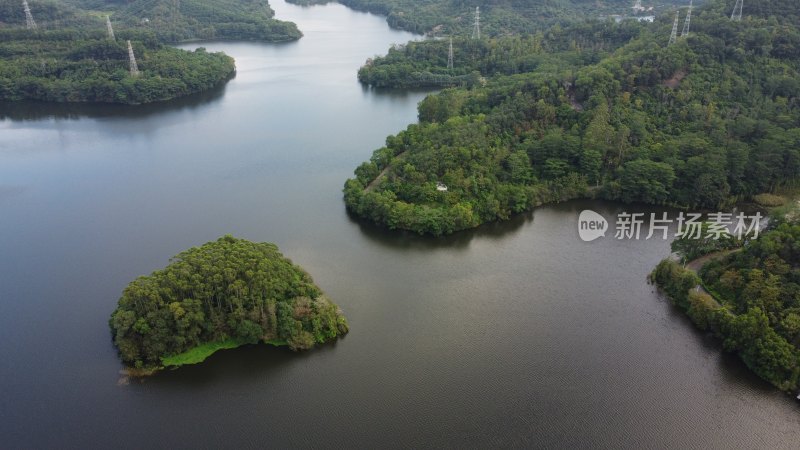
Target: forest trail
373 183
676 79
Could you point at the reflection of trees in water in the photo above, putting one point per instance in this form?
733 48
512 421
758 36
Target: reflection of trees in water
396 93
36 110
401 239
497 230
245 364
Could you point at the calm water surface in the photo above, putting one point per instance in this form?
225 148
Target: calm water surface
515 334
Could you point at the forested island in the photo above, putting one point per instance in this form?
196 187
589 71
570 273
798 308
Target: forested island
69 54
590 109
748 297
223 294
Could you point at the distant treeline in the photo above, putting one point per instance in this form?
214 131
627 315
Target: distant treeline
207 19
170 21
498 17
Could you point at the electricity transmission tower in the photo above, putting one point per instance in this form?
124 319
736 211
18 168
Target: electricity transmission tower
476 31
450 55
736 15
688 20
110 30
29 23
674 36
134 67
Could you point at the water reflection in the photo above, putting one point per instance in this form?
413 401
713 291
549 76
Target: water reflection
243 364
396 93
409 240
36 110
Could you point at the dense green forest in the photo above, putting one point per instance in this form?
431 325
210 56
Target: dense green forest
174 21
73 66
498 17
170 21
752 302
222 294
70 58
47 13
558 50
702 123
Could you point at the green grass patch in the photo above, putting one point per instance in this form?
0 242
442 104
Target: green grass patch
769 200
200 353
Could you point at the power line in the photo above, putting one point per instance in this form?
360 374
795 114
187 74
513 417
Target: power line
688 20
674 36
736 15
476 30
110 30
132 58
450 55
29 22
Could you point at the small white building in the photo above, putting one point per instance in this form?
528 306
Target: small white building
441 187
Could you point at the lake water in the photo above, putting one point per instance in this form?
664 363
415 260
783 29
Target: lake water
515 334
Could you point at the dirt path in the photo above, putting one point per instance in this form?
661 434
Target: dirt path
675 81
372 184
572 101
696 264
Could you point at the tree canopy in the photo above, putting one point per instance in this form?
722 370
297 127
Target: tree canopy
170 21
70 66
227 290
185 20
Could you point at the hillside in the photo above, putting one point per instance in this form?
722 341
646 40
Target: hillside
498 17
699 124
425 63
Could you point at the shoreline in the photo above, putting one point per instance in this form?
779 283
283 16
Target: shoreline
195 355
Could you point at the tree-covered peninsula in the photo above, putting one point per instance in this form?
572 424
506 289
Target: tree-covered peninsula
223 294
750 299
73 66
69 55
593 109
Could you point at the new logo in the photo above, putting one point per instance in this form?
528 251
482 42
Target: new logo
591 225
